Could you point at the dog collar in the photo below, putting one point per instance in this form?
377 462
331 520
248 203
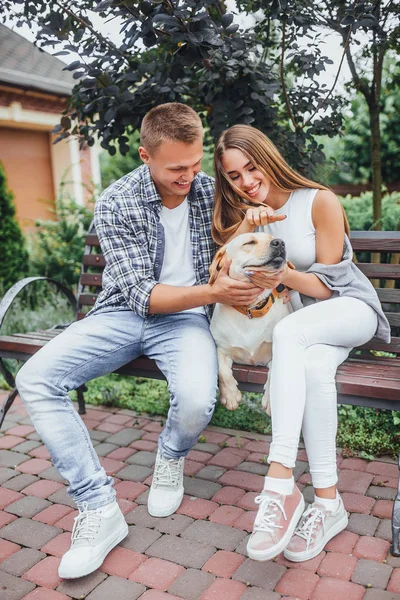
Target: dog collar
260 309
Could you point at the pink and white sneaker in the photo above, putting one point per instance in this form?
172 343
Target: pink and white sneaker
317 526
275 523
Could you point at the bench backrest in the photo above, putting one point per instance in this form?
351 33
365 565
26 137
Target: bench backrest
385 275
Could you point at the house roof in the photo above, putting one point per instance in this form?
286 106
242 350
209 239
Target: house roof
24 65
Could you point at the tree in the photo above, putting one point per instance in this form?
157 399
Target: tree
183 50
14 257
379 22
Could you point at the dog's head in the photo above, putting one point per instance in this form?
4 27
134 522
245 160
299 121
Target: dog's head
250 252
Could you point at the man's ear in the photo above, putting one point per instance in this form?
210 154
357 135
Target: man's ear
144 155
217 264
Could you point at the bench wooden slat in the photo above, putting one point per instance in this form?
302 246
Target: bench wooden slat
93 260
376 241
92 240
87 299
393 318
380 271
388 296
374 344
95 279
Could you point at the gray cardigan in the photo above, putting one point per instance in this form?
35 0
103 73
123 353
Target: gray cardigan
346 279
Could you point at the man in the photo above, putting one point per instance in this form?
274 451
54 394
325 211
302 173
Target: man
154 227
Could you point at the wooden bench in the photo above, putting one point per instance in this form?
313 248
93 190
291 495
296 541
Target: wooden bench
363 379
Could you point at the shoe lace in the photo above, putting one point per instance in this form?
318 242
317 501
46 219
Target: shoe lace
312 518
86 524
167 472
265 519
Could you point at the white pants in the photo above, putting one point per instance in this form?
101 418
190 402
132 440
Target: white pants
308 346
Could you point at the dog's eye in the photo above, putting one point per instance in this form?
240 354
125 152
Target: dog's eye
251 243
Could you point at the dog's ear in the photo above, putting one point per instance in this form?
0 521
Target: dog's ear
217 264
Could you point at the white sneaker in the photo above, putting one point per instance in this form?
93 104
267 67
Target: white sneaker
316 527
166 490
94 535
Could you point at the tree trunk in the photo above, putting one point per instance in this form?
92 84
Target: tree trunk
376 168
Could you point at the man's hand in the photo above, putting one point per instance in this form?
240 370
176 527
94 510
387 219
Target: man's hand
262 215
226 290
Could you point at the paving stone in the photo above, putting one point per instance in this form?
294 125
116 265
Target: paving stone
45 572
369 572
34 436
140 516
80 588
308 494
6 474
384 530
223 563
14 588
197 508
253 467
34 466
255 593
339 566
125 437
121 562
363 524
228 495
356 503
187 553
381 468
385 493
7 549
130 490
355 482
246 481
26 446
121 453
40 452
157 573
371 548
394 583
52 474
223 537
134 473
7 497
200 487
308 565
29 533
27 507
105 448
201 457
343 542
143 458
175 524
19 562
6 518
116 587
211 473
144 445
99 436
20 482
191 584
224 589
380 595
383 509
42 593
42 488
262 574
227 515
354 464
332 589
21 430
242 548
59 545
139 538
229 458
61 496
206 447
12 459
298 583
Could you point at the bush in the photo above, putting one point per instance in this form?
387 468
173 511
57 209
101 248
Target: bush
57 247
14 256
359 211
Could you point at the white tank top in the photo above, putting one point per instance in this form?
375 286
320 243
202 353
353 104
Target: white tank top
297 230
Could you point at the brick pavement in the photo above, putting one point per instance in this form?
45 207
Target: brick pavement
198 553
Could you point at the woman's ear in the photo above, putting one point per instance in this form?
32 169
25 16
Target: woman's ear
217 264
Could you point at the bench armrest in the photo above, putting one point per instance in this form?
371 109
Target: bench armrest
14 290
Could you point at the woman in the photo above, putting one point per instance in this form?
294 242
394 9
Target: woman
255 187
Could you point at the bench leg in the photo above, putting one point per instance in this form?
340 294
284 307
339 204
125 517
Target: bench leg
81 399
395 550
7 404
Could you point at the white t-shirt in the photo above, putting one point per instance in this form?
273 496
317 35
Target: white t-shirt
177 266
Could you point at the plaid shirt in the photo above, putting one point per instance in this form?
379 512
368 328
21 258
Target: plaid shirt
127 221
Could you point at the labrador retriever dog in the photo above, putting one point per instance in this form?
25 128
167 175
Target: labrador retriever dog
244 334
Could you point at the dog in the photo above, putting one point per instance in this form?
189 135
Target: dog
244 334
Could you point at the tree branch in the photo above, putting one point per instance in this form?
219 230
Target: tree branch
282 77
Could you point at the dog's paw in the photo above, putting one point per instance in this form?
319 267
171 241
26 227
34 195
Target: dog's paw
231 398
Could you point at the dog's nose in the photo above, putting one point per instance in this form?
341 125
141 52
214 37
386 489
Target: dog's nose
277 243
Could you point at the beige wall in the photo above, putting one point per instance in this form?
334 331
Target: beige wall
26 158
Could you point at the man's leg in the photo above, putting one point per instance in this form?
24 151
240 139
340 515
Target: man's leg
185 352
87 349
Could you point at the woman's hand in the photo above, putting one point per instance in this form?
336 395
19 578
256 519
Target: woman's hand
268 281
262 215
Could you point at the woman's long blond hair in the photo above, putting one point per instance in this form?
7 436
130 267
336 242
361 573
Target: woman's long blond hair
231 203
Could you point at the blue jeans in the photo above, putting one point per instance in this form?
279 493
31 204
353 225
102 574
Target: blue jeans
185 352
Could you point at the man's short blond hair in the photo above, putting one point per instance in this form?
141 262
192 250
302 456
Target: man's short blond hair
172 121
